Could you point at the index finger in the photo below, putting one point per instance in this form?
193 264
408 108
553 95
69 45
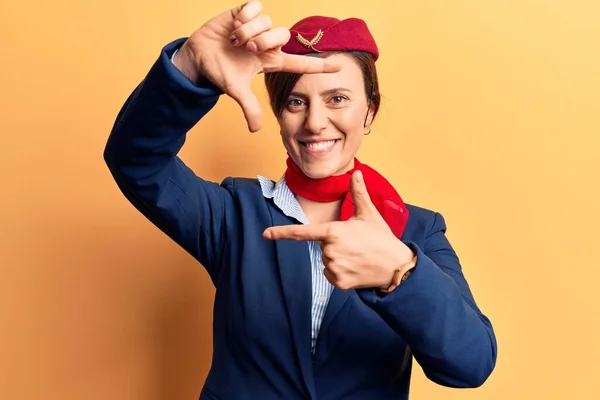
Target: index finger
296 232
246 12
303 64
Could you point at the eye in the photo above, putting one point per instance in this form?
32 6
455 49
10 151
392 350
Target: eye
295 103
338 99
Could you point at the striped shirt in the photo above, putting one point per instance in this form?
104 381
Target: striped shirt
321 288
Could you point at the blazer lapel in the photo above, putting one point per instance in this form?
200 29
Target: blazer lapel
296 281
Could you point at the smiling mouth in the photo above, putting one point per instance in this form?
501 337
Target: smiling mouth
320 145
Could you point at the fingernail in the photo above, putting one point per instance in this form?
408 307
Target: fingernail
234 40
237 23
252 47
267 234
359 177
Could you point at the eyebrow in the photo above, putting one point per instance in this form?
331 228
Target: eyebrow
324 93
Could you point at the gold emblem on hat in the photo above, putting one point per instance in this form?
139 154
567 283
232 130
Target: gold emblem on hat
310 43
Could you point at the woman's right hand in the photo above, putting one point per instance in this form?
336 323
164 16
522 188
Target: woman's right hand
234 47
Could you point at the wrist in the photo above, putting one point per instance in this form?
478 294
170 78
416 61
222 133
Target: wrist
403 263
184 61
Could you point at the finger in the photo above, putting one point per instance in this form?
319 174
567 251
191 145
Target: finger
271 39
252 28
246 12
333 279
250 105
363 206
302 64
296 232
330 276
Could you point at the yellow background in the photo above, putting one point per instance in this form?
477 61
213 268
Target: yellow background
490 116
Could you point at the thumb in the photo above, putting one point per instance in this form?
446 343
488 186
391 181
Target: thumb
250 106
363 206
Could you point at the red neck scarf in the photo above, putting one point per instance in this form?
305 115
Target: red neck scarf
383 195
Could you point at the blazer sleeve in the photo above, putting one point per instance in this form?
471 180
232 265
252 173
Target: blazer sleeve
435 313
141 154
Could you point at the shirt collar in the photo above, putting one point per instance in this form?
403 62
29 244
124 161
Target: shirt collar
283 198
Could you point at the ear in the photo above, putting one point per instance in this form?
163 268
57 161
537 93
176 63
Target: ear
371 115
370 112
369 119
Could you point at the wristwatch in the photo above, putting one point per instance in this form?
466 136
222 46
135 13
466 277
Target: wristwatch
400 275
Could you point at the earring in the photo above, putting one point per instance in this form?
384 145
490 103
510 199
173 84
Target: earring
369 131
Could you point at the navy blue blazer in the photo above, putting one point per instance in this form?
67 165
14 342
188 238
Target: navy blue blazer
262 308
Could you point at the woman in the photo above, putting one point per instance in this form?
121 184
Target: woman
326 310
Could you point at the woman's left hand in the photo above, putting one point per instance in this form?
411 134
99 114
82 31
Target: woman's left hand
361 252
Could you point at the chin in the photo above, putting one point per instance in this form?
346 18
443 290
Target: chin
321 170
317 174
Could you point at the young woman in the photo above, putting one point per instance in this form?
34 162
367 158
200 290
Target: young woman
326 282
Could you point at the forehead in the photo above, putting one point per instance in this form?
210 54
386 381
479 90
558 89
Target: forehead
349 76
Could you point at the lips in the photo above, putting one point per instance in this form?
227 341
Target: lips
320 145
318 148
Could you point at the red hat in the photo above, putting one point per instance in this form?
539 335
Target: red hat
319 34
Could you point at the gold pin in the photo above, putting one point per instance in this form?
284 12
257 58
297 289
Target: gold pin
310 43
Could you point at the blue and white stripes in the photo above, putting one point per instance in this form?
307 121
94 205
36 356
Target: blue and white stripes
321 288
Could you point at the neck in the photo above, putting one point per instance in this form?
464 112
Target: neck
319 212
329 199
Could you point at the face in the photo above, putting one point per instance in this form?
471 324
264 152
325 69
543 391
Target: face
322 125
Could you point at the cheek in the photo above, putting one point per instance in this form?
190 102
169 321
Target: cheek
291 122
287 129
351 124
288 139
353 142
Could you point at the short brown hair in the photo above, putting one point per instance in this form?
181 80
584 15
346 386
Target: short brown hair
280 84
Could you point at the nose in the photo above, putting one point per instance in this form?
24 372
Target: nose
316 119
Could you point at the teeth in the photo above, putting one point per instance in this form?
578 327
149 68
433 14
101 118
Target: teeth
320 145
